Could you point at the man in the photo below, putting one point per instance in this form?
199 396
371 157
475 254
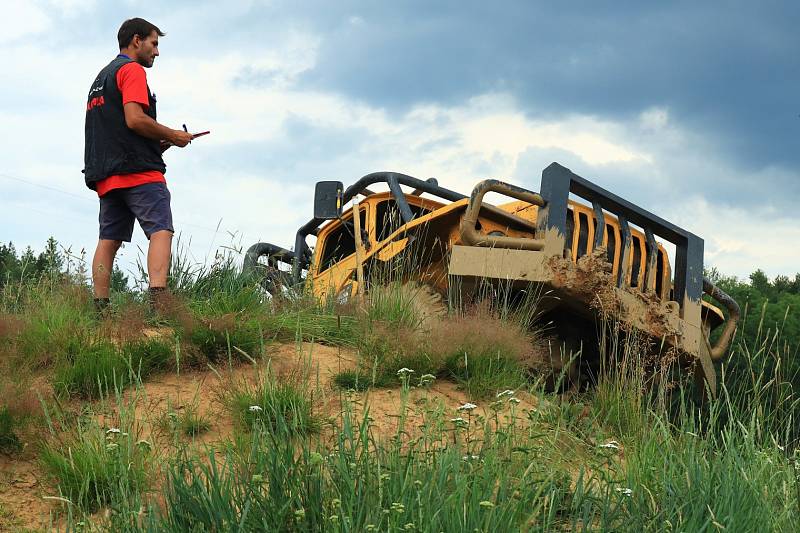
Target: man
123 161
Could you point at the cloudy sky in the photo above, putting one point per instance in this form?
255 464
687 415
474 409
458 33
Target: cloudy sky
689 110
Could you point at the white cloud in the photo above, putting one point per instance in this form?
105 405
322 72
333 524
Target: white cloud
738 241
71 8
28 19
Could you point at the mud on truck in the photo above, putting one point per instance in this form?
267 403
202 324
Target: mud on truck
598 257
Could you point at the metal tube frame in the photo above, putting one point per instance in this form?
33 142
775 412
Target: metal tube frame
558 182
301 256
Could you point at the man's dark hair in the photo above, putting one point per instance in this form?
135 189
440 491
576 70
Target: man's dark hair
135 26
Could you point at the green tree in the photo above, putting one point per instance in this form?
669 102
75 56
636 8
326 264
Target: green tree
119 281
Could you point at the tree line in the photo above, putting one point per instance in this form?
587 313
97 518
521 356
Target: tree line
770 308
29 267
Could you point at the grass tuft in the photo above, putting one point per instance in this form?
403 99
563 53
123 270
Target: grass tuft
9 441
90 371
94 467
217 338
272 402
353 380
188 422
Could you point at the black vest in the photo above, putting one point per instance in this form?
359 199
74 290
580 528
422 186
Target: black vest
111 147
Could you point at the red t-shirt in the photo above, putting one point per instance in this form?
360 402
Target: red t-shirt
132 83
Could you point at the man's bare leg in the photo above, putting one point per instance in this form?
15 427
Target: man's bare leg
102 264
158 254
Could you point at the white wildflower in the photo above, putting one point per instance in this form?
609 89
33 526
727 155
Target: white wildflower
624 491
514 400
507 392
457 420
404 371
426 379
467 407
470 457
255 408
113 430
610 445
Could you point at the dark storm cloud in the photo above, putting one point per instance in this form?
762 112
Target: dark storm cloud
730 73
730 69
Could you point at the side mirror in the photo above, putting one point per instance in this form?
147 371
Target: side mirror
328 200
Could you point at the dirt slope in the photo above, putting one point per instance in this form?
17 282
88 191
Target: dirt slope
27 497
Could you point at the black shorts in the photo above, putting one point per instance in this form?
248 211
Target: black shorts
148 203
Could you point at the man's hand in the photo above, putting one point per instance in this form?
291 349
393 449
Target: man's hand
180 138
137 120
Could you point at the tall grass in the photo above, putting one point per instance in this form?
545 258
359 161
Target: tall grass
477 348
361 484
760 384
95 465
632 453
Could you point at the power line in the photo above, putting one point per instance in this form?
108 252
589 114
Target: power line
80 197
48 187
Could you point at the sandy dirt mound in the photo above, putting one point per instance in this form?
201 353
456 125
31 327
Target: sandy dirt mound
27 496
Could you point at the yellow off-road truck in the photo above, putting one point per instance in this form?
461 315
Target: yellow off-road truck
591 259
